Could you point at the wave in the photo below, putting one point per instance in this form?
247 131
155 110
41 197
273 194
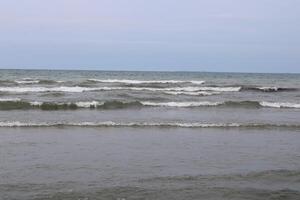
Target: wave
84 104
27 81
181 104
12 104
267 89
9 99
280 105
16 103
215 89
242 104
85 89
127 81
180 89
36 81
46 89
154 88
145 124
201 93
257 104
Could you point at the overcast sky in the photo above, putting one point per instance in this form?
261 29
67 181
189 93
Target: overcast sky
185 35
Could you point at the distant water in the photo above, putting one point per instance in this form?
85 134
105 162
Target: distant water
149 135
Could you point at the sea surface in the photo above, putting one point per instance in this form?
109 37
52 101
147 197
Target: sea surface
149 135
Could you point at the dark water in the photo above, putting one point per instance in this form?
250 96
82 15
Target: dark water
149 135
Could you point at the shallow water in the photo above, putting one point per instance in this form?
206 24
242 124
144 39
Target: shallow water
149 163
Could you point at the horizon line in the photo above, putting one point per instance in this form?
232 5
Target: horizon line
170 71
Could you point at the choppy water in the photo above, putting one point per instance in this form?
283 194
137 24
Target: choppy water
149 135
89 98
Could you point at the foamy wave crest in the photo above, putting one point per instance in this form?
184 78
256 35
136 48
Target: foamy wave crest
46 89
16 103
127 81
36 103
10 99
186 89
280 105
145 124
181 104
25 124
241 104
73 105
88 104
201 93
27 81
221 89
36 81
80 104
84 89
118 124
268 89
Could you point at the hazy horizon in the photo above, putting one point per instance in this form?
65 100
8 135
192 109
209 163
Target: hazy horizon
121 35
145 70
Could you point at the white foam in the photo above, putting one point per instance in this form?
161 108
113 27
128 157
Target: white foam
83 89
195 89
127 81
118 124
81 104
10 99
33 81
36 103
46 89
201 93
180 104
280 105
22 124
268 88
197 82
27 81
182 89
88 104
221 89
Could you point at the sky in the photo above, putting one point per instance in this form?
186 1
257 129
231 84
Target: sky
146 35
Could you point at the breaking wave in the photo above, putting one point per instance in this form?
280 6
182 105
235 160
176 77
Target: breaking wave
280 105
201 93
46 89
268 89
127 81
143 124
181 104
36 81
85 89
9 99
27 81
16 103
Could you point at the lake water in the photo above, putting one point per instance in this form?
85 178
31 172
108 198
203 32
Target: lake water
149 135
